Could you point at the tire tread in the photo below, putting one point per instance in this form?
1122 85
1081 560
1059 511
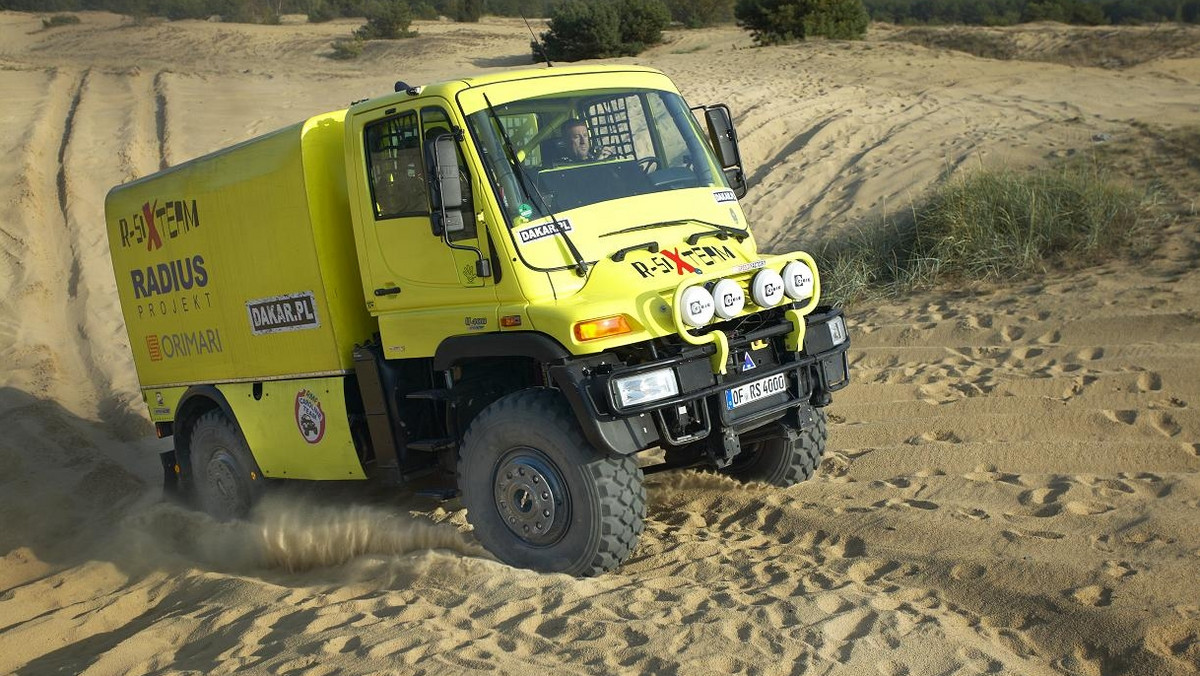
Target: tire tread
622 496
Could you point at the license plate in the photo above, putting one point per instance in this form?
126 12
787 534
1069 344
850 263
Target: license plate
753 391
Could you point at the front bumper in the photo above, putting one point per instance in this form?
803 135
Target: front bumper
703 404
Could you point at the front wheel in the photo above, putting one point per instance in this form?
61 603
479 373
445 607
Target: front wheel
540 496
780 460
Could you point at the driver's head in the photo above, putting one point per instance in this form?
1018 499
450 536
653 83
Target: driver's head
579 145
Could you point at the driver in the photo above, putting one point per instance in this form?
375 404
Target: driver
578 143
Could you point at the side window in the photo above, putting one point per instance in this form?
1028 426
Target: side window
435 122
395 168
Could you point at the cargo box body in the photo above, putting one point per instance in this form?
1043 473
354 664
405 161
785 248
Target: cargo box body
240 265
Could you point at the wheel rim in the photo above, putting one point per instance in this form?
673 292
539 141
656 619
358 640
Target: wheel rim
531 497
224 484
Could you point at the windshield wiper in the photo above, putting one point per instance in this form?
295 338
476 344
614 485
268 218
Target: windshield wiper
722 231
581 266
620 254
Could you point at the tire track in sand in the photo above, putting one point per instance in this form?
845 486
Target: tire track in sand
41 351
108 138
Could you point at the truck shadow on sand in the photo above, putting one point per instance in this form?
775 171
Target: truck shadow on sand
73 490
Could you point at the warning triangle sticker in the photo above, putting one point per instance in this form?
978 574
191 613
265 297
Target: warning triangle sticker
748 363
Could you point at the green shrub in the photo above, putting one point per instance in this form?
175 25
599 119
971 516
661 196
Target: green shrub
346 49
468 11
642 23
319 12
988 225
60 20
972 41
245 11
598 29
837 19
176 10
782 21
583 30
423 9
700 13
386 20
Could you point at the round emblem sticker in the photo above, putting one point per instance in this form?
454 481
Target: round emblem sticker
310 418
524 210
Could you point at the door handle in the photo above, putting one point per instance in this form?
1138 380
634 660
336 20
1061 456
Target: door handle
387 291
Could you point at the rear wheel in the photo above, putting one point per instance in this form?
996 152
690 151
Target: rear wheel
225 476
540 496
781 461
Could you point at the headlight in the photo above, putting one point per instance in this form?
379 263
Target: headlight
645 387
729 297
767 288
697 306
798 280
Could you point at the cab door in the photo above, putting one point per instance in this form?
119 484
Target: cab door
421 289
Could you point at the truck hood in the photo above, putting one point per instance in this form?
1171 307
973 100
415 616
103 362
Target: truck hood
647 234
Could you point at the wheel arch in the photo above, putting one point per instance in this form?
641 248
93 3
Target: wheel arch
537 346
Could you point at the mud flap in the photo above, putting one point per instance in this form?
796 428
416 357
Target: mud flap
173 490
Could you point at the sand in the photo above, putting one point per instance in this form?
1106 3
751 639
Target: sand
1012 480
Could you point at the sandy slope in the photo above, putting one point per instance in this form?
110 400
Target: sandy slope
1012 482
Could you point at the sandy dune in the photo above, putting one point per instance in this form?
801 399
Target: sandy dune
1013 484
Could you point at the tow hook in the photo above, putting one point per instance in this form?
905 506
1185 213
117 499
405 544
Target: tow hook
722 451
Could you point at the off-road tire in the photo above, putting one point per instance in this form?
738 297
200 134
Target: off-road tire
525 457
226 481
780 463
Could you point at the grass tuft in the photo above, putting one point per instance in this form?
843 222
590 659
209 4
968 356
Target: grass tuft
59 20
988 225
346 49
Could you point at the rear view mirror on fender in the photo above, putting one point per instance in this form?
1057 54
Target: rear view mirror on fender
723 137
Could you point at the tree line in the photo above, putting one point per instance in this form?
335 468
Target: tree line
689 13
269 11
1008 12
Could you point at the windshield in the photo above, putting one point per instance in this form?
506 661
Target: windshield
551 154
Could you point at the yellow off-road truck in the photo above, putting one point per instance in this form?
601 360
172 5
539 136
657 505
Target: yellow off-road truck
519 282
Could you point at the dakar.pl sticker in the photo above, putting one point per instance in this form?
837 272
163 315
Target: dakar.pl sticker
310 417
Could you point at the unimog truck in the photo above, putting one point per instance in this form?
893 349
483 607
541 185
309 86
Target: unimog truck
430 284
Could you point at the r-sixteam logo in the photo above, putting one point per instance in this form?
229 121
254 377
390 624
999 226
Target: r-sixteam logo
156 221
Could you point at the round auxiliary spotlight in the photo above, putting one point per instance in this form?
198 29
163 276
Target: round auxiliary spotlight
767 288
729 297
696 306
798 280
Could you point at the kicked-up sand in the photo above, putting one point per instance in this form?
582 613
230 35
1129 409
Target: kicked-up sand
1011 484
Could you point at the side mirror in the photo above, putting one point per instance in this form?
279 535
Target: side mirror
724 141
447 193
723 136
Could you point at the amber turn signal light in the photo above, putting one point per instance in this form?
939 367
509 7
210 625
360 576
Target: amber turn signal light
594 329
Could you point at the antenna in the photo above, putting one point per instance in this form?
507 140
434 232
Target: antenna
541 48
